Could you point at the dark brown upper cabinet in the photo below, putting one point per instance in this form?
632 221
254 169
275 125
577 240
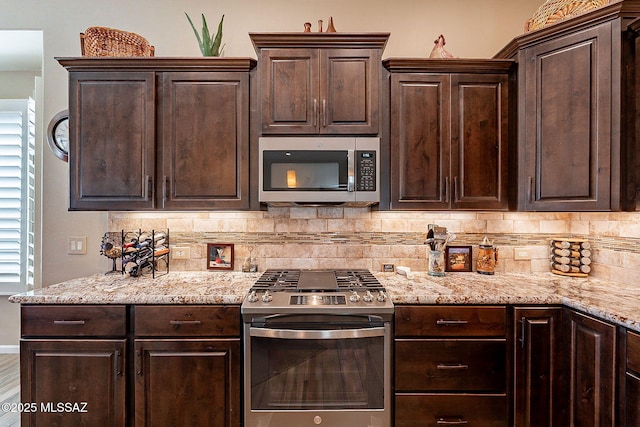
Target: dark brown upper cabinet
577 112
158 133
450 133
319 83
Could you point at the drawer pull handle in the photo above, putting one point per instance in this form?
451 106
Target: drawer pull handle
68 322
445 366
443 322
451 421
185 322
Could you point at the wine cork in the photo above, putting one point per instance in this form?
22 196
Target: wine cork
585 261
561 244
562 252
562 259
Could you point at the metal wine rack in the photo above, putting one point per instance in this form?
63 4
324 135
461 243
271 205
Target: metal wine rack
145 252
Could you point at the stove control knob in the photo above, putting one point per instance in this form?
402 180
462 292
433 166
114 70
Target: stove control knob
368 297
253 297
382 297
267 297
354 297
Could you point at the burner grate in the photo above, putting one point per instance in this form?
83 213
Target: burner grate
287 280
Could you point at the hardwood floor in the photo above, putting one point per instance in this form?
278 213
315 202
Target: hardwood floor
9 388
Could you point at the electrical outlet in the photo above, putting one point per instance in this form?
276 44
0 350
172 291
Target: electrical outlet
77 245
182 252
521 254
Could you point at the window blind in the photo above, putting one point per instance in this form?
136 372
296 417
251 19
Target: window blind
17 195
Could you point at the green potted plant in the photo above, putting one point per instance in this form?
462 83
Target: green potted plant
209 44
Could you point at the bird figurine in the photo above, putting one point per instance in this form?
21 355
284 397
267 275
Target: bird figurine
439 50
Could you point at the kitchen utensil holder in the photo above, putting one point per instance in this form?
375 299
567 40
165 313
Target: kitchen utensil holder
570 257
144 251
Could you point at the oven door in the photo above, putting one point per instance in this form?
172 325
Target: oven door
309 370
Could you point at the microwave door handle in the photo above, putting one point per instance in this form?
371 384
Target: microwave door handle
351 178
314 334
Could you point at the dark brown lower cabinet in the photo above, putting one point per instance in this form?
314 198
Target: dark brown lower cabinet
631 403
632 400
590 366
73 382
538 392
187 382
451 366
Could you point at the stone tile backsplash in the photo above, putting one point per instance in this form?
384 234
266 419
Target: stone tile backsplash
364 238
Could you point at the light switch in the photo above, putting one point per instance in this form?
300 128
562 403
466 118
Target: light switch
77 245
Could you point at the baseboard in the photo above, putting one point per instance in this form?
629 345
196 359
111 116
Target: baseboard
9 349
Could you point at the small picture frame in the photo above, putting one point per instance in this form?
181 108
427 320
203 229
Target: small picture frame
458 258
219 256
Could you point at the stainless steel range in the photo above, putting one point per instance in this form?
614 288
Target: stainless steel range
317 350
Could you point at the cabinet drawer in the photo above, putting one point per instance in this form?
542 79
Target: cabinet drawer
452 321
427 410
187 321
633 351
450 365
73 320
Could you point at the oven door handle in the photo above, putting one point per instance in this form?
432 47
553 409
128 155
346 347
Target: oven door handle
330 334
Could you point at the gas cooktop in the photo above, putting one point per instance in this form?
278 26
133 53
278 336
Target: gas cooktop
317 280
344 291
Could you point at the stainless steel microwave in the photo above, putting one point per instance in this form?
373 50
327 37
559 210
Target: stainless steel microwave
310 170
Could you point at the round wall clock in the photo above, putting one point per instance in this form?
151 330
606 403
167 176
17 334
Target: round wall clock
58 135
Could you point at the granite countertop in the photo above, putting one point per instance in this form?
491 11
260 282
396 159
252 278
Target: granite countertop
616 302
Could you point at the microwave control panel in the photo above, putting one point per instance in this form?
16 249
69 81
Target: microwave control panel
366 170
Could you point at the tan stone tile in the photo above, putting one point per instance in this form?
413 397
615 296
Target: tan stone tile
499 226
264 225
554 226
330 213
629 228
471 226
220 225
303 213
579 227
526 226
341 225
607 257
301 225
540 265
367 225
604 228
356 213
491 216
180 224
395 225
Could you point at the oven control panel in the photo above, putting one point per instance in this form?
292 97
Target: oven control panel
313 299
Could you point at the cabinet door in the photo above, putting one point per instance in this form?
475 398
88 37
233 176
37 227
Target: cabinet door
187 382
112 140
538 368
205 141
590 348
289 85
420 136
632 390
567 132
349 91
73 382
479 141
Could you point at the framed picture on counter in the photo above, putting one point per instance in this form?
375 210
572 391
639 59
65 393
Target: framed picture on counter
458 258
219 256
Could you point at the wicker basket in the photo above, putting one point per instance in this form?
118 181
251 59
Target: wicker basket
102 41
553 11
